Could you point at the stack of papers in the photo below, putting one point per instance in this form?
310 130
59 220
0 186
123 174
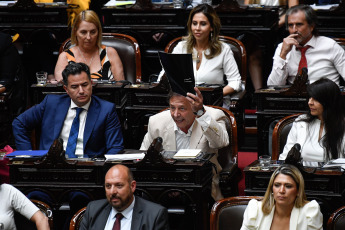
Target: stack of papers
187 154
124 157
340 162
118 3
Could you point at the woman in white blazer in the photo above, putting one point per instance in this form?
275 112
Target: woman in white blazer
284 205
321 131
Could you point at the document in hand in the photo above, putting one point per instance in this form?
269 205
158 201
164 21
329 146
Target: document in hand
179 70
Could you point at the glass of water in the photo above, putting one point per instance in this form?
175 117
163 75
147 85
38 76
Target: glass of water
41 78
177 4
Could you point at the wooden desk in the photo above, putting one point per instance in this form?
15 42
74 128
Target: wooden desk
273 105
183 187
325 186
171 23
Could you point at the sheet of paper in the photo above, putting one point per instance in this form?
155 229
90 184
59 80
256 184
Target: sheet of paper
124 157
119 3
323 7
4 3
187 153
339 161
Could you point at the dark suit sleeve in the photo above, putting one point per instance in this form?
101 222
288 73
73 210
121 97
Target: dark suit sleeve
161 223
113 133
26 122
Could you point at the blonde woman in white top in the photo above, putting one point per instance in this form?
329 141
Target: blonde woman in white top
284 206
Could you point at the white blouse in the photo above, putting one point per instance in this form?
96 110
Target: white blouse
307 217
212 71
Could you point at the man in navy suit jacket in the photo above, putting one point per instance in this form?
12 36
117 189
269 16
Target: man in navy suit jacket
138 214
54 115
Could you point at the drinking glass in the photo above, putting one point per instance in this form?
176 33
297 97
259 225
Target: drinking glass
265 161
41 78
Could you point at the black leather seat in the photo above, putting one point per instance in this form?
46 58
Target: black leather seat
337 220
228 213
227 158
76 219
280 134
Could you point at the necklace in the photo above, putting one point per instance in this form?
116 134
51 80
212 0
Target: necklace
197 57
85 58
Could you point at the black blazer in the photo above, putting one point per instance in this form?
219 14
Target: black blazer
146 215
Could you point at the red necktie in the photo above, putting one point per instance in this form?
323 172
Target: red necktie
303 61
117 224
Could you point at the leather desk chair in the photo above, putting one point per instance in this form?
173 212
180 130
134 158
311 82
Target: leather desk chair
280 134
76 219
337 220
128 49
228 213
227 158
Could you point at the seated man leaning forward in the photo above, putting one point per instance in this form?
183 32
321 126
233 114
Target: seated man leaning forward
190 125
323 57
121 209
96 131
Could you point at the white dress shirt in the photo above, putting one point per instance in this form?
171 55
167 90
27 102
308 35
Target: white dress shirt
79 152
325 59
212 71
126 221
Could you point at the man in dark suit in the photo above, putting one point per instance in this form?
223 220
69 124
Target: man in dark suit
135 212
99 132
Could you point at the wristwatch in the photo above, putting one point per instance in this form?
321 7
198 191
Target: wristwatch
200 112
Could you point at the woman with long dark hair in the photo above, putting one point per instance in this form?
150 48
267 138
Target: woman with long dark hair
321 131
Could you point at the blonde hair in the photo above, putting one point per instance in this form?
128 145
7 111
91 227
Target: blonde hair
295 174
214 44
87 16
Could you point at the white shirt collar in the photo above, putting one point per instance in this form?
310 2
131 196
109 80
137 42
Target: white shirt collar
183 133
85 107
127 213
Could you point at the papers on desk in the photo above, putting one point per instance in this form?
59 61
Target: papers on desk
124 157
27 154
118 3
5 3
323 7
187 154
340 162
